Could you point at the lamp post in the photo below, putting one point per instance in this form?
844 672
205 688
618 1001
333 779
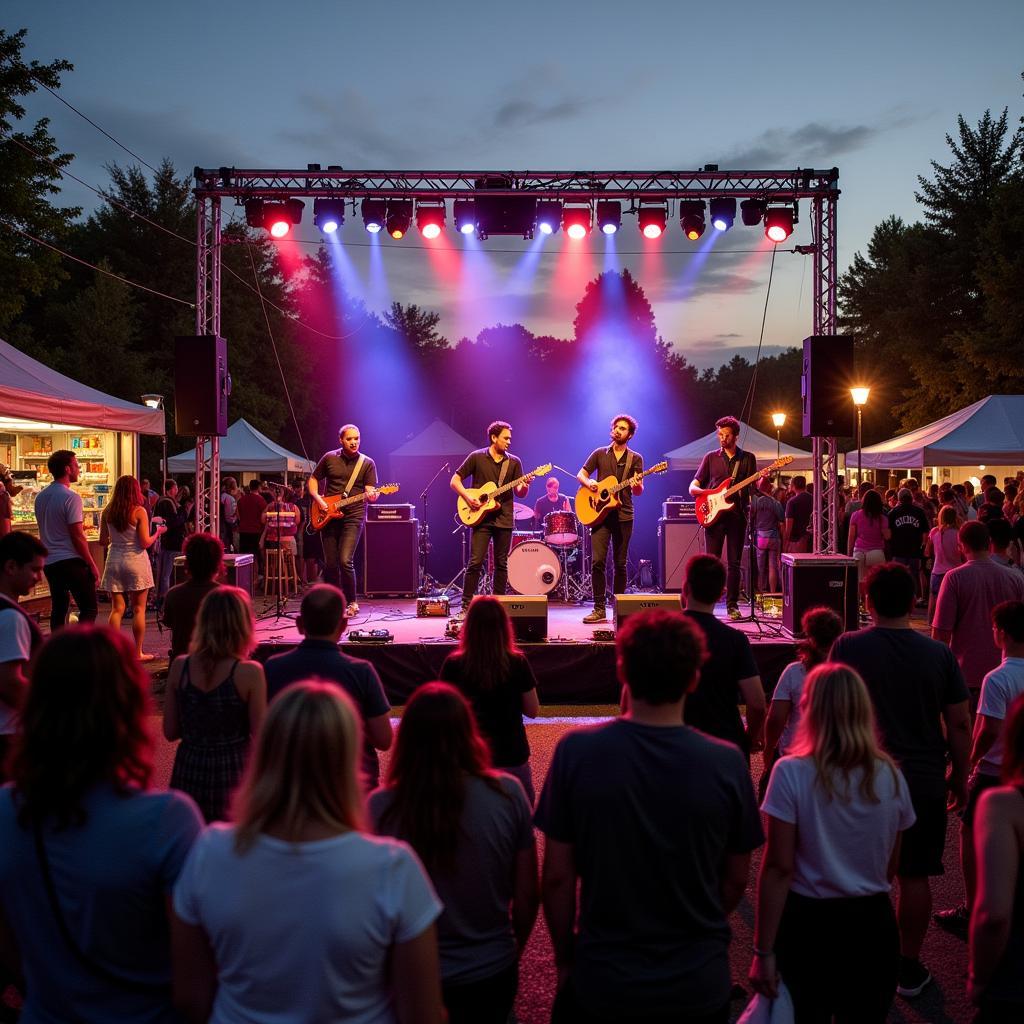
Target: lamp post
860 398
779 419
157 402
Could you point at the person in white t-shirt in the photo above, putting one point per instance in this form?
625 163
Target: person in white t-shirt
294 912
836 808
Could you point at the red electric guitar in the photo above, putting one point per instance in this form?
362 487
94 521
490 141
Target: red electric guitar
712 503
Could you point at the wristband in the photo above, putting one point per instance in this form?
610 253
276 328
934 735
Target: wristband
763 952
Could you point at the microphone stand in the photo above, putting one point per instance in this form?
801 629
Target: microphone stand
426 583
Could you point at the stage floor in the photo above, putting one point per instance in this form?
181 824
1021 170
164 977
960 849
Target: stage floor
572 667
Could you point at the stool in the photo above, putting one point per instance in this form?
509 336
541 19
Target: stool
280 572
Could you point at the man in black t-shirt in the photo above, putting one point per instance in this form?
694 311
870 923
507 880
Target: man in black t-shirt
551 501
345 472
493 464
621 462
909 526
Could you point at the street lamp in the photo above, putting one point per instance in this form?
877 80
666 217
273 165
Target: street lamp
860 398
157 402
779 419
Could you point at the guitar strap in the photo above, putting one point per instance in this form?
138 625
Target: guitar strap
629 464
735 468
503 472
355 473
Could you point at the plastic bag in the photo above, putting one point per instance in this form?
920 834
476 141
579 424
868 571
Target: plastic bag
762 1010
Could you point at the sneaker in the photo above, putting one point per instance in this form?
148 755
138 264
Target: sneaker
954 920
597 615
353 609
734 613
914 978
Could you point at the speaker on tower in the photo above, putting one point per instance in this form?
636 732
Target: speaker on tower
201 385
825 386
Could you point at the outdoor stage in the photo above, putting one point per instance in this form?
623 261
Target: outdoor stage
571 667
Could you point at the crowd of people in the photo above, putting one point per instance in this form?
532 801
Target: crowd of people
284 877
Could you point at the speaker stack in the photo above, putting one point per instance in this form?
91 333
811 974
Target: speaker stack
390 552
825 386
236 571
811 581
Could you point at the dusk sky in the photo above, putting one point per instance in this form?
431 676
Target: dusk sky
871 88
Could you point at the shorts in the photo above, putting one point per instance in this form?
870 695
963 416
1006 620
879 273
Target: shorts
977 785
924 842
936 582
867 558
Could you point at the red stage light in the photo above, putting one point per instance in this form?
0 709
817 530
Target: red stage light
778 223
279 228
576 221
652 220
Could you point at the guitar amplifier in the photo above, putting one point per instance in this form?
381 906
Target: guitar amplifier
391 563
236 571
678 508
529 616
377 513
678 541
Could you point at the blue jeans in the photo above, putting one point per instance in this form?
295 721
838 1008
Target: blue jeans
165 572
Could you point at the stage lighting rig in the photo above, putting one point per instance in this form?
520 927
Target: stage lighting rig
778 223
329 215
277 218
652 219
723 213
374 211
549 216
464 214
691 217
577 221
430 219
399 217
609 215
751 212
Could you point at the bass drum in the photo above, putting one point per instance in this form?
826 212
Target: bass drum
533 569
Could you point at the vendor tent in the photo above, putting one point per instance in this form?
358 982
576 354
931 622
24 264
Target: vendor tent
990 432
764 448
436 442
245 450
30 390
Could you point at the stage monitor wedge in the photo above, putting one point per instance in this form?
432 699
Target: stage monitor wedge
529 616
825 382
201 386
630 604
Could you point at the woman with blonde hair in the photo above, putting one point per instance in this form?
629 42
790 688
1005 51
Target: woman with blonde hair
215 701
294 912
943 546
124 531
836 807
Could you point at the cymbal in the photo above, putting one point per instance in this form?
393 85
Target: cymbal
521 511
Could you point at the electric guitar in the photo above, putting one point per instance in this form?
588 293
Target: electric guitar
336 505
489 494
593 506
713 502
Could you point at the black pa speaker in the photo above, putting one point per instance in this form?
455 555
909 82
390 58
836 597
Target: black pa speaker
825 384
236 570
201 386
678 541
810 581
391 557
529 616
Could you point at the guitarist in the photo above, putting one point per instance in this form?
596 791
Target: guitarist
620 461
729 462
495 465
347 472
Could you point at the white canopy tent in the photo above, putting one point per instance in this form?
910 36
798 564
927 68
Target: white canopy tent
245 450
989 432
32 394
764 448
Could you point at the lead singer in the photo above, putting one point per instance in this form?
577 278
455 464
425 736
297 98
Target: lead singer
727 462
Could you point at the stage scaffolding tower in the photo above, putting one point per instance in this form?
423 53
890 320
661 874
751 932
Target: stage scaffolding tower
819 187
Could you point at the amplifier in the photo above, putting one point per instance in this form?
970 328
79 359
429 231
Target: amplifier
678 541
630 604
237 571
377 513
529 616
677 508
809 581
433 607
391 557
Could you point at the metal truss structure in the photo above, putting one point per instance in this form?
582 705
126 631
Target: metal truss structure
819 187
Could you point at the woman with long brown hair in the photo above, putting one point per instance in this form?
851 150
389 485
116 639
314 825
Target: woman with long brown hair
294 912
497 679
215 701
836 808
127 572
88 852
472 829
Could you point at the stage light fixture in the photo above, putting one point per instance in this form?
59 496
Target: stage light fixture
652 220
549 216
254 213
399 217
464 213
691 217
751 212
374 212
609 215
778 223
577 221
278 218
329 215
723 213
430 219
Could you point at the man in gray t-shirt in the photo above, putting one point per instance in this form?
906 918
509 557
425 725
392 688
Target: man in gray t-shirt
70 570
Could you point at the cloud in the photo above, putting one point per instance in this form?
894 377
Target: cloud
807 145
522 113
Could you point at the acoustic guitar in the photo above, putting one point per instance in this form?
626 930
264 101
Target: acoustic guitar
489 494
337 505
713 502
593 506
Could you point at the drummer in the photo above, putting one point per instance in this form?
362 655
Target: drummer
551 501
